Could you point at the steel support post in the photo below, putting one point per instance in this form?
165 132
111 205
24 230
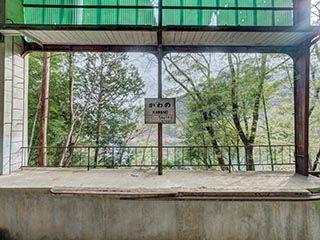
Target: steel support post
159 57
301 62
160 131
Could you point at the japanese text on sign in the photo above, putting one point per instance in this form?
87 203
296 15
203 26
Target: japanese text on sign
160 110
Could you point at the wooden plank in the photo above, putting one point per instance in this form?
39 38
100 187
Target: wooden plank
111 37
301 62
135 37
197 37
175 38
106 37
168 38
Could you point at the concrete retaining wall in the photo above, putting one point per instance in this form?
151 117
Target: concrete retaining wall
37 214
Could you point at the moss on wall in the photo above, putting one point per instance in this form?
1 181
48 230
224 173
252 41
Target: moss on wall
316 205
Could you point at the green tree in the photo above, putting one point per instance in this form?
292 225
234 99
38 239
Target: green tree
112 86
192 74
224 95
93 99
57 123
246 118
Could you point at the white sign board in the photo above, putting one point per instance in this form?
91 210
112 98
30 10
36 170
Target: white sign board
160 110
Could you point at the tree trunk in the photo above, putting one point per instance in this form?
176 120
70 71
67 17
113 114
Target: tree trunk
71 129
249 158
268 132
215 144
196 95
71 108
238 155
33 128
247 138
316 162
44 110
71 115
98 138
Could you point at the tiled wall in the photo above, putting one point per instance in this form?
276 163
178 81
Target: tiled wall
13 104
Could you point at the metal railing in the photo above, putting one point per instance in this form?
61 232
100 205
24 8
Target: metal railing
232 158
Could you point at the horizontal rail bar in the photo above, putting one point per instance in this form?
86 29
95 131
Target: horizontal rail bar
230 8
202 157
87 6
148 147
163 7
172 165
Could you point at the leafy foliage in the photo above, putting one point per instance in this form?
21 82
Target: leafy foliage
112 87
57 124
104 106
223 97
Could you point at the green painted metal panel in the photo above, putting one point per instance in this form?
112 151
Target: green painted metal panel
283 18
227 17
92 16
282 3
255 17
14 11
179 16
265 18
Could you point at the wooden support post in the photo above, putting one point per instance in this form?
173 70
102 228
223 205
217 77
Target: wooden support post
301 60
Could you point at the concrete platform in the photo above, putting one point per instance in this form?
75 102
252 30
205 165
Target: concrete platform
138 204
173 184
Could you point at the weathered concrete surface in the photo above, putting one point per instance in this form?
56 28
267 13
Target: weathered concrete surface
13 104
28 210
148 179
36 214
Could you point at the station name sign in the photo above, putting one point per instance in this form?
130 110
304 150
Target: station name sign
160 110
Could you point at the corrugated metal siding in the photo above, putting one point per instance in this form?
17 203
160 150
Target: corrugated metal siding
227 17
179 16
90 16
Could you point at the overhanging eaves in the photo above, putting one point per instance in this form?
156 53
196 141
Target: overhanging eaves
146 38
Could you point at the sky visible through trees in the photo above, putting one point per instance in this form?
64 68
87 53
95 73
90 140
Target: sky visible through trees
222 99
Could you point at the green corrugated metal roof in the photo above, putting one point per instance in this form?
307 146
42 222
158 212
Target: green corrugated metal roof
187 16
92 16
146 16
227 17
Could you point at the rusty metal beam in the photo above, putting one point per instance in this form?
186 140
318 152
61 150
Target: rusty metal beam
50 27
30 47
230 49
